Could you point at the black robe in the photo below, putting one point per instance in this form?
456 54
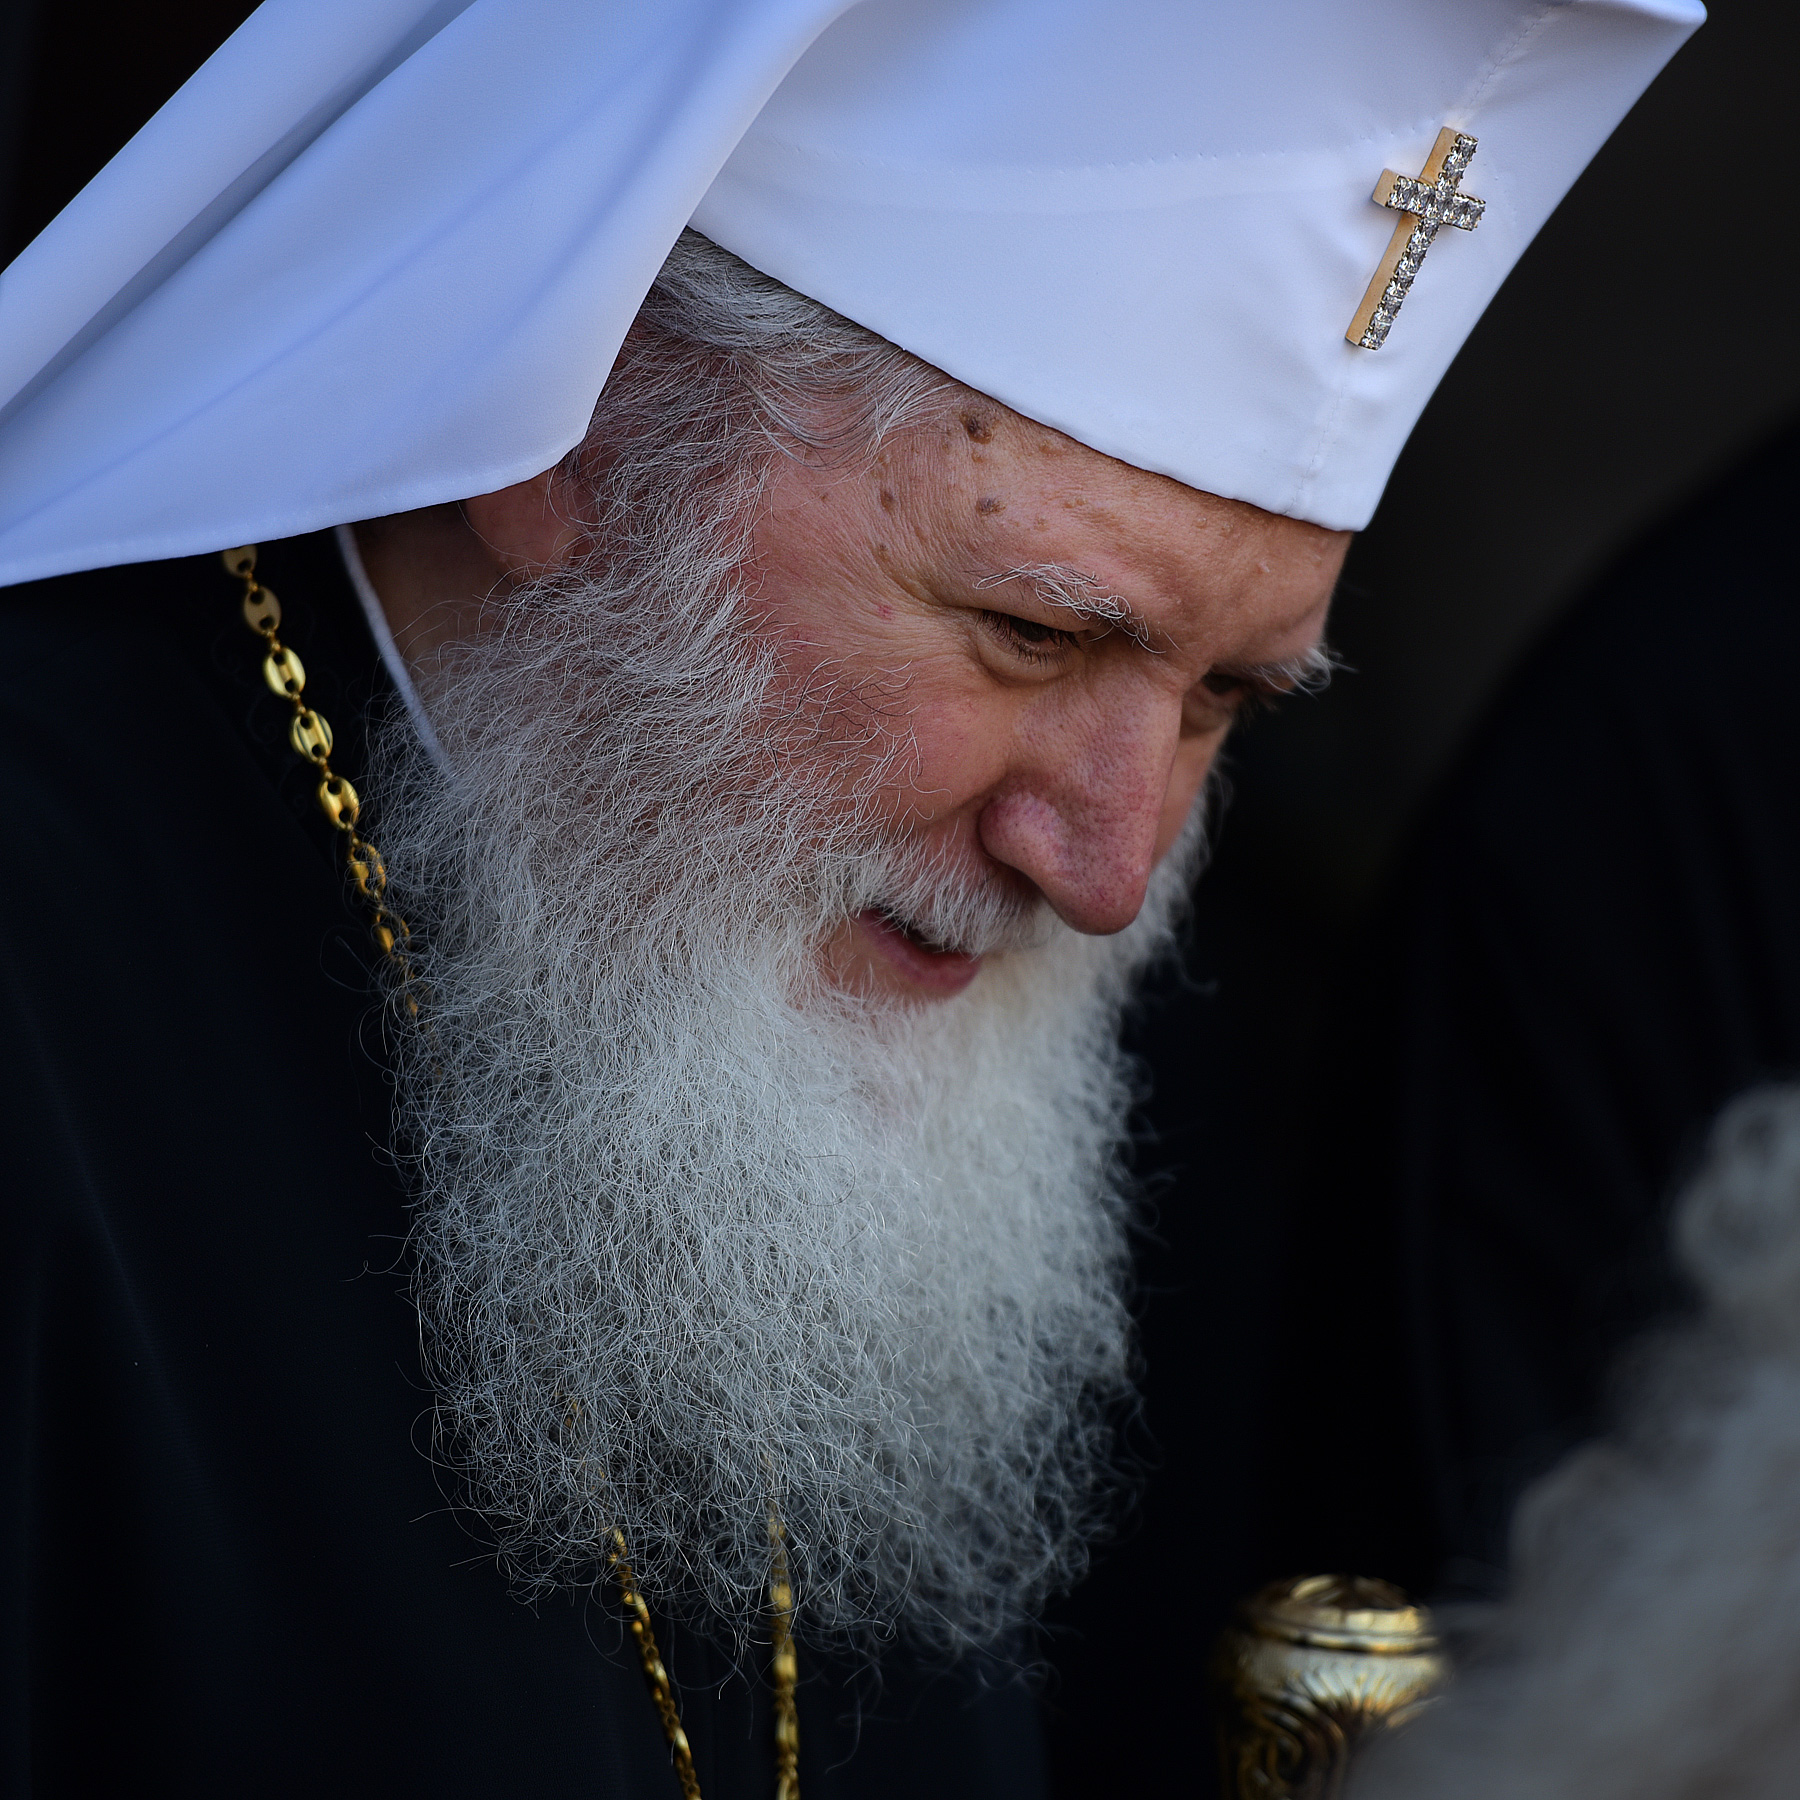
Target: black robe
230 1566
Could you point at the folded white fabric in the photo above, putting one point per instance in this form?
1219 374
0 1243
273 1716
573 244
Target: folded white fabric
381 253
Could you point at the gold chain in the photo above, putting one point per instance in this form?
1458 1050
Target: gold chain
310 734
783 1667
656 1677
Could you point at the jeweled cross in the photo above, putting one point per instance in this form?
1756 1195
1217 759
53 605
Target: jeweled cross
1425 204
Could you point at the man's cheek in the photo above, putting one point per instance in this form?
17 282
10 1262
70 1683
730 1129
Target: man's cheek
955 755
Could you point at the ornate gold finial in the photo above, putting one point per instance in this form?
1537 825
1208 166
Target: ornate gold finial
1313 1666
1432 200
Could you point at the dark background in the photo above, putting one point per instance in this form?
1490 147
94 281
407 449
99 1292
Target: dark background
1645 341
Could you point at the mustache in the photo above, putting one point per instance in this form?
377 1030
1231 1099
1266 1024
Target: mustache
943 902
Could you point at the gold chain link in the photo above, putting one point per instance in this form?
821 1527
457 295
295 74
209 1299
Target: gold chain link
656 1677
783 1667
310 734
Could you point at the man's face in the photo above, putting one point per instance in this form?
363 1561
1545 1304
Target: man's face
1065 640
1058 642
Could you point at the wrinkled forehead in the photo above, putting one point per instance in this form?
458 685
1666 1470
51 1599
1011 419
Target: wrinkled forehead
1009 503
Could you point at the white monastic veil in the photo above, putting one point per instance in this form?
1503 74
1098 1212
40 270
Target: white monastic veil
379 254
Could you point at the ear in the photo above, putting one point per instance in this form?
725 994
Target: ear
525 528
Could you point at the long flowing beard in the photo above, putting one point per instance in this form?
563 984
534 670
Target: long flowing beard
697 1236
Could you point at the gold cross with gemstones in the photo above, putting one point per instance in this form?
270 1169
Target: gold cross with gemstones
1423 205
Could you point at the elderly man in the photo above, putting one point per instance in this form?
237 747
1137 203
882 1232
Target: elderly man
763 785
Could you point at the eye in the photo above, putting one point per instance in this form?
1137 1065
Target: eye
1230 695
1234 698
1028 639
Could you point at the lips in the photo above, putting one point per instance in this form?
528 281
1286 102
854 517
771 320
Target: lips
921 964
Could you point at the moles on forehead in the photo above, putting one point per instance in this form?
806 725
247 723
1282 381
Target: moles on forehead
991 496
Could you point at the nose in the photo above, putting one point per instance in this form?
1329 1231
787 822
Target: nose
1080 817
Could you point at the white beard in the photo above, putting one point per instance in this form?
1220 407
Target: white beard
697 1237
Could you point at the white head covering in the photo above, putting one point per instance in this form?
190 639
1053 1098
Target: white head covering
378 254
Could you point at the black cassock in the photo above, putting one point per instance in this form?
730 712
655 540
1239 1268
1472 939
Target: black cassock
230 1565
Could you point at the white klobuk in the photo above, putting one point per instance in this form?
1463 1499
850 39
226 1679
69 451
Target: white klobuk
379 254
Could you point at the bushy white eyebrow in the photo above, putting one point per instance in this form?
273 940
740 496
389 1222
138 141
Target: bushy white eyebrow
1057 584
1075 591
